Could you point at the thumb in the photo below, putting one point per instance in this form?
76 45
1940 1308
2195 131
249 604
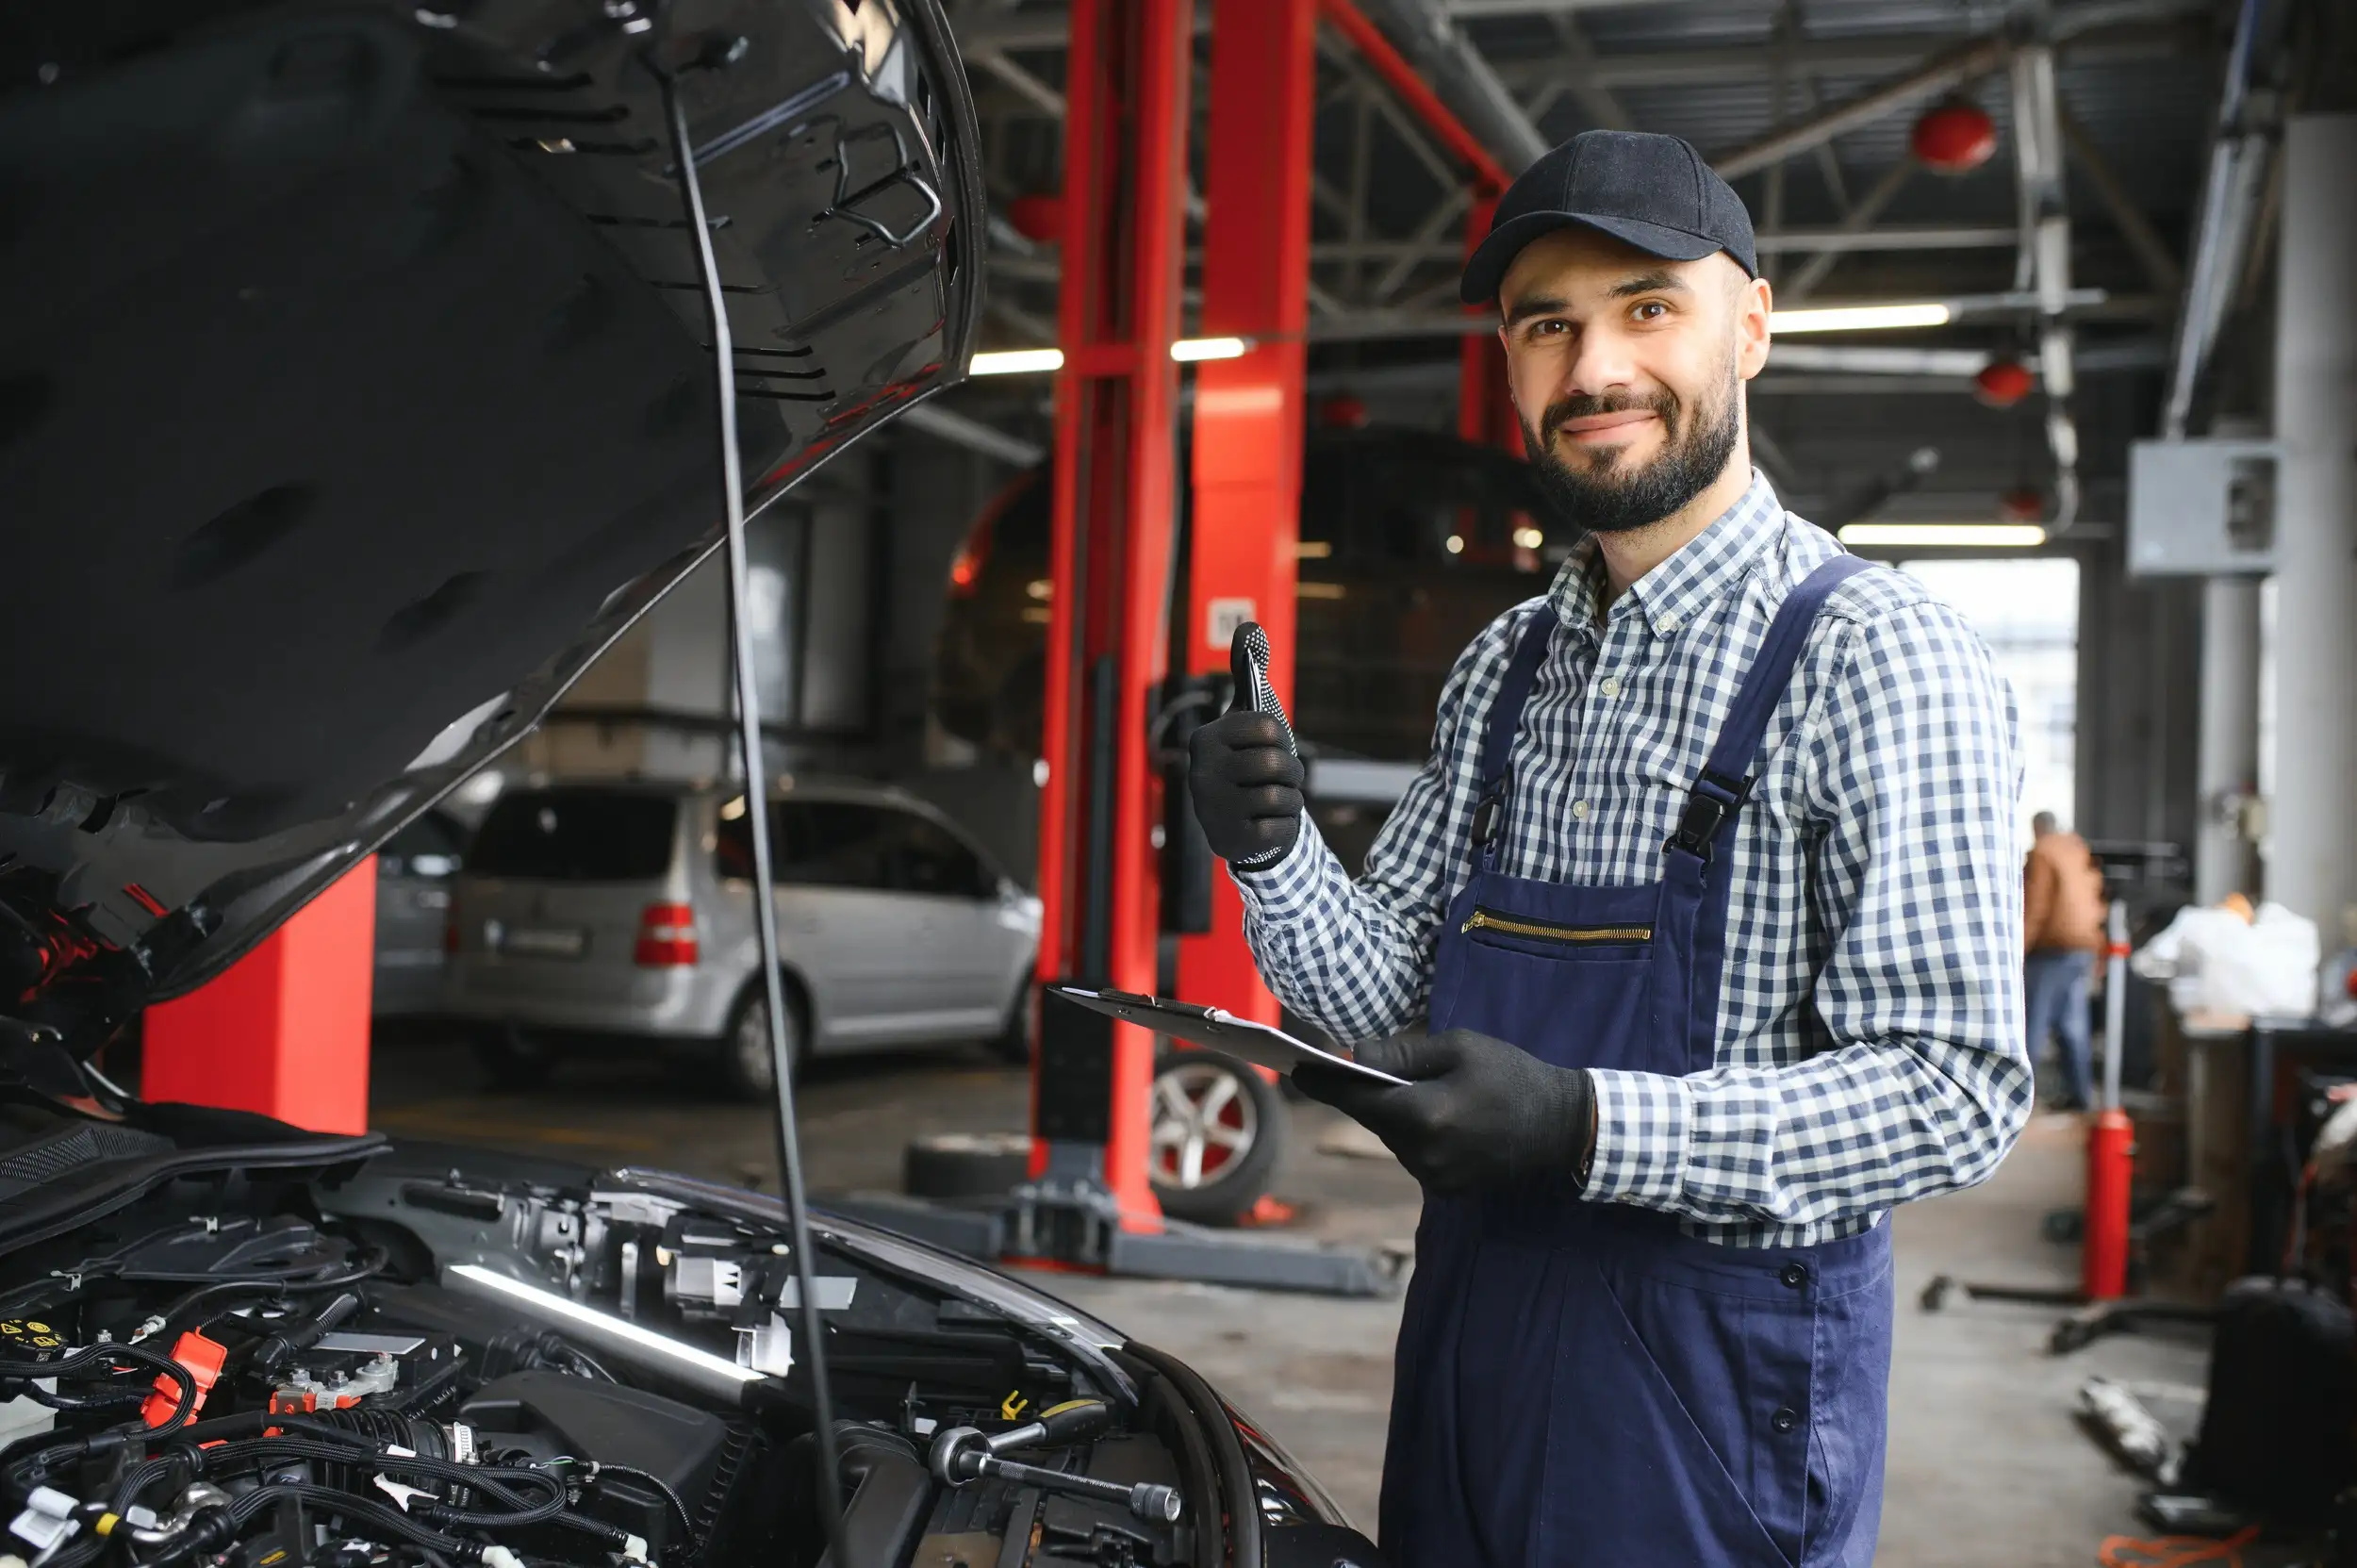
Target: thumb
1402 1055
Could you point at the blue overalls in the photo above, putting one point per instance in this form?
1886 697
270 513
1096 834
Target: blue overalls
1579 1382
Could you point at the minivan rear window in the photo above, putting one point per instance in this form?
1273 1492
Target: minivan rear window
576 835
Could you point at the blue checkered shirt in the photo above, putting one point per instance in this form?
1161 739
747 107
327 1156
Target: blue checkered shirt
1871 1044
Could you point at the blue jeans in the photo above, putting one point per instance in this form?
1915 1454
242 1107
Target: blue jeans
2055 981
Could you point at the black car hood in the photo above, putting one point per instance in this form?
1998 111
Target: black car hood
355 392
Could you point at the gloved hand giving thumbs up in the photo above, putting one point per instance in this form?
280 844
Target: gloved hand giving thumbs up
1244 774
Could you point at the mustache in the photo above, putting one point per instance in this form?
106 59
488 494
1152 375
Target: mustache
1582 405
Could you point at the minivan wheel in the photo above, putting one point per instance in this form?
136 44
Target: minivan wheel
1218 1127
747 1070
513 1057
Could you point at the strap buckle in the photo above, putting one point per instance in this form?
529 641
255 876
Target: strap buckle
1489 818
1714 798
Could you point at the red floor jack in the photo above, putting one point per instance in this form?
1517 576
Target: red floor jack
2109 1234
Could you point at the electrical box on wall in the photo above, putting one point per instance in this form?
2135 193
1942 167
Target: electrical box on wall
2200 508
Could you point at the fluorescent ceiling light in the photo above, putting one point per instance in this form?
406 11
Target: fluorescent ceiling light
1948 536
1860 318
1016 362
1187 350
613 1330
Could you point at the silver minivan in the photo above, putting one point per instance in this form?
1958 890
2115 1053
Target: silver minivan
597 910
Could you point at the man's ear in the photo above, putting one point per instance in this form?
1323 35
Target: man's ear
1754 301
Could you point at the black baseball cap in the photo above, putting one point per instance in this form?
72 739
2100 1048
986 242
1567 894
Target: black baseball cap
1653 192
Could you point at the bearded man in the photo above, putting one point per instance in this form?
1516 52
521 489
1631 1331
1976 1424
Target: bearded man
1697 940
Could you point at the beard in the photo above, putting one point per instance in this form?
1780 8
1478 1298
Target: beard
1609 496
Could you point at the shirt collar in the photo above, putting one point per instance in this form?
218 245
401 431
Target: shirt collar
1671 595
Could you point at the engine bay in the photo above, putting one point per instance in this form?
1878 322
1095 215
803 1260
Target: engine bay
438 1358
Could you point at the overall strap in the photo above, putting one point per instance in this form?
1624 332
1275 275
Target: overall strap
1725 781
1506 719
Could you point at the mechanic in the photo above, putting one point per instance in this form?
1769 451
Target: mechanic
1698 937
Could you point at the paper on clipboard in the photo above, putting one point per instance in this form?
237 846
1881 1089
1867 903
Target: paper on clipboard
1218 1029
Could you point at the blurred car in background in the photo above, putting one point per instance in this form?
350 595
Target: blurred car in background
414 873
612 912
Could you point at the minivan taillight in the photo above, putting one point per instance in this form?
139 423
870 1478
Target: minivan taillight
667 937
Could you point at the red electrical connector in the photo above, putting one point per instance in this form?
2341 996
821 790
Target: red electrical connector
202 1359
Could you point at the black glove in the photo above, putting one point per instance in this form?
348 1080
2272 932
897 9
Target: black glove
1245 784
1476 1112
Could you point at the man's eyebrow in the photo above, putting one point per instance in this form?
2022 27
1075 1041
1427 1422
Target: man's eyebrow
1533 304
1655 282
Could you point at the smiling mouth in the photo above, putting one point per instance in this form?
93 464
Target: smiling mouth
1605 427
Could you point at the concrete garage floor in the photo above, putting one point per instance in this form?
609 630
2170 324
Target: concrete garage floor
1986 1464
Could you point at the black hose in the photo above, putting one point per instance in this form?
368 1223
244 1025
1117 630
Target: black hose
66 1366
687 1524
383 1516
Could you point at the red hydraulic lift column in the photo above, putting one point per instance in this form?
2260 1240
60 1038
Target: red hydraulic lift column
284 1030
1249 410
1116 405
1484 415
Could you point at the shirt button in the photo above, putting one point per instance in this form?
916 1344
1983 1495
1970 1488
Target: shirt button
1579 810
1794 1276
1785 1419
1668 624
1610 685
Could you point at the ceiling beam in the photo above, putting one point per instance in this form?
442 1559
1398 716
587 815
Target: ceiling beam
2119 40
1596 97
1838 240
2153 252
1039 264
1942 73
1859 221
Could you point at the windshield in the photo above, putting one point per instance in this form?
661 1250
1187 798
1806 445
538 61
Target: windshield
576 835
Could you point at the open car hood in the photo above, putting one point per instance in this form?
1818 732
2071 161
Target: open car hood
355 391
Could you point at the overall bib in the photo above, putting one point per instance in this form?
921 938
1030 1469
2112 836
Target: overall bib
1580 1383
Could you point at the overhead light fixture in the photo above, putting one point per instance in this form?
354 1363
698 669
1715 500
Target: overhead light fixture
1456 544
1945 536
1186 350
1189 350
1016 362
1861 318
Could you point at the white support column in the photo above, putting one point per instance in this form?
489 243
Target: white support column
2222 859
2311 863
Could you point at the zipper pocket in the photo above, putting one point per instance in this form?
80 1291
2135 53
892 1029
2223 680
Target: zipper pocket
1544 930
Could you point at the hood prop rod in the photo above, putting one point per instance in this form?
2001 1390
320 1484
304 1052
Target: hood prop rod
830 1495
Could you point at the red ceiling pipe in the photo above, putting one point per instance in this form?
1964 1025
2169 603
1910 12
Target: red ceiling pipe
1392 66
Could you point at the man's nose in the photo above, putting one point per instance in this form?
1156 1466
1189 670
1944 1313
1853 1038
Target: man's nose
1602 366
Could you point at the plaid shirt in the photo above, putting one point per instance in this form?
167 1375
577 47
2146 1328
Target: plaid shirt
1871 1043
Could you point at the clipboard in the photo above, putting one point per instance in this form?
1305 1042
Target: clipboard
1218 1029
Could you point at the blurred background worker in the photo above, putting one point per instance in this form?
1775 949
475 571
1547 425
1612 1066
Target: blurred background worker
2062 931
